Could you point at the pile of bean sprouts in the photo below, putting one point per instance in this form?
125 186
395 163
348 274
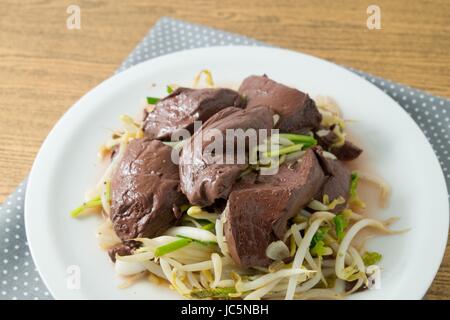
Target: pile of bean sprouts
193 257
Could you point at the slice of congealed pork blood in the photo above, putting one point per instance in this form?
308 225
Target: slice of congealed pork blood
338 179
298 112
182 107
205 179
257 213
145 190
348 151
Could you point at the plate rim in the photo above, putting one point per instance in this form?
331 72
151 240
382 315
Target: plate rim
30 232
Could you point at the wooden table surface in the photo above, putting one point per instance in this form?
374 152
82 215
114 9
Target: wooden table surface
45 68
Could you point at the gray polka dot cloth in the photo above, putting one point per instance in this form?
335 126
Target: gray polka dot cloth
18 276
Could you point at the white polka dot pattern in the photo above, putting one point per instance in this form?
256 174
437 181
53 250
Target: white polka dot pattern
431 113
18 276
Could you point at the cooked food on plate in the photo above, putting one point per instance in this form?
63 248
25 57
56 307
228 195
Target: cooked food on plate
247 194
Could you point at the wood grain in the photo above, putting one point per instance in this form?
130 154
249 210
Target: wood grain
45 68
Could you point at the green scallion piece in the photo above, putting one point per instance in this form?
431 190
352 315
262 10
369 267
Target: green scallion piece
371 258
204 243
319 236
152 100
307 141
173 246
285 150
108 191
96 202
354 184
209 226
320 249
169 89
340 222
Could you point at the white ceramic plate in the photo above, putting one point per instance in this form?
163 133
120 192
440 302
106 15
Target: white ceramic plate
66 166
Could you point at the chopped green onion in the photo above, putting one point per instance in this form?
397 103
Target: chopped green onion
108 191
320 249
354 184
189 220
285 150
169 89
306 140
96 202
152 100
371 258
173 246
319 236
204 243
209 226
213 293
317 246
354 200
340 222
